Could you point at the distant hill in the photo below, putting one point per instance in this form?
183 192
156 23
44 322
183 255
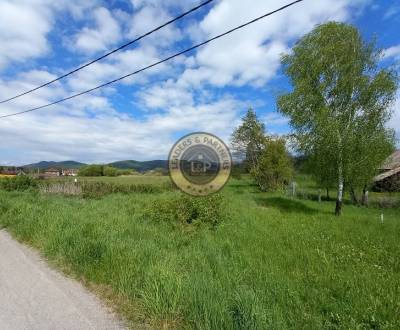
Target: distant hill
68 164
140 166
123 165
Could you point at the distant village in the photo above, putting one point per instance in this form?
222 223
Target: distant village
39 173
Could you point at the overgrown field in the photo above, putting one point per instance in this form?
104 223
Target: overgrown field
238 260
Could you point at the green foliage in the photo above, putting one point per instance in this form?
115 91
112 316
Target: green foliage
238 170
91 170
247 139
274 169
340 104
18 183
110 171
278 263
126 172
103 170
186 209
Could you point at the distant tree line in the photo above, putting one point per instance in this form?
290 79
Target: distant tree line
106 170
103 170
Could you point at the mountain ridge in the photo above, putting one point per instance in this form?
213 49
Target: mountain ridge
140 166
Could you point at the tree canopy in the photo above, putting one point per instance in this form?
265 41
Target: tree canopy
339 105
247 140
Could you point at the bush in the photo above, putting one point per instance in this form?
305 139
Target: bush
237 171
102 170
126 172
274 168
19 183
187 210
91 170
110 171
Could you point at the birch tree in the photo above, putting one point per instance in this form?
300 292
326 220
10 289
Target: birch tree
340 101
248 140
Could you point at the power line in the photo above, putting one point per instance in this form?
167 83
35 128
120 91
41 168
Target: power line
156 63
111 52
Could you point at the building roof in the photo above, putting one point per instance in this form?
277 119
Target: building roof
387 174
392 162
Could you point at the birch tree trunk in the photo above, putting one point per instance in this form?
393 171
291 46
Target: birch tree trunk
339 198
364 200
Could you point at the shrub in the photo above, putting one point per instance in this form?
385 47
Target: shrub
274 168
103 170
91 170
110 171
19 183
187 210
126 172
237 171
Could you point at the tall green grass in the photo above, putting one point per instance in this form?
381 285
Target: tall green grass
273 262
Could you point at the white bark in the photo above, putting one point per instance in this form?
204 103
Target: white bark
340 179
340 190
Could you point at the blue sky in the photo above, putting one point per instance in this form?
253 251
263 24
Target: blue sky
141 117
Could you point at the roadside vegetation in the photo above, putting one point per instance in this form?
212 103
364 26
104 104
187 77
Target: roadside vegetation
242 259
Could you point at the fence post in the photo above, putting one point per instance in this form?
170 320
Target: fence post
319 195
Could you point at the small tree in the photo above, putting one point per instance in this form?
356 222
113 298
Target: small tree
274 169
91 170
247 140
370 154
340 102
110 171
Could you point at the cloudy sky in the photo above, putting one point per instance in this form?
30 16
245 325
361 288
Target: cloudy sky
141 117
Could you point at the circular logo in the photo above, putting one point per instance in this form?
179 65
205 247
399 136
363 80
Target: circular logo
200 164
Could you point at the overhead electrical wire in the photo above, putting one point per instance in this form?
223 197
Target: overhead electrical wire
156 63
111 52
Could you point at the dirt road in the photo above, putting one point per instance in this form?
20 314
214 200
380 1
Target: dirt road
33 296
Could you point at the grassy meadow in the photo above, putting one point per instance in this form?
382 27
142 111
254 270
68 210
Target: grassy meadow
270 261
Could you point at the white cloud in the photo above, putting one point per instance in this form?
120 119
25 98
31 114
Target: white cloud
23 29
395 120
26 24
252 55
53 135
392 52
105 33
392 11
165 96
149 17
275 123
90 129
167 4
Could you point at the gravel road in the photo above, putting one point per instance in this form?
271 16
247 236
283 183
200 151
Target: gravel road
34 296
